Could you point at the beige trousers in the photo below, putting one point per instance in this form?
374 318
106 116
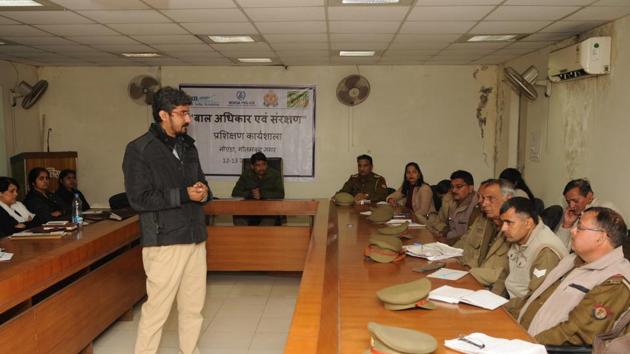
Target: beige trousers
173 271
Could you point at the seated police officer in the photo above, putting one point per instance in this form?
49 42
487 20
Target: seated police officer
259 182
365 184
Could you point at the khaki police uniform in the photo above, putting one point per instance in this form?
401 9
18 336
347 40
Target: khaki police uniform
372 184
476 241
453 220
494 267
578 300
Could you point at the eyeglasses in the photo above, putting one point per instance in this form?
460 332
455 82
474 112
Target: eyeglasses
579 227
183 114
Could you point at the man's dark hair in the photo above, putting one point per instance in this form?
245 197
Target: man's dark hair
582 184
513 175
65 173
33 174
5 182
166 99
464 175
522 206
365 157
259 156
612 222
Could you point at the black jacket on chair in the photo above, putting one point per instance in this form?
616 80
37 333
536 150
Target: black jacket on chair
42 206
156 181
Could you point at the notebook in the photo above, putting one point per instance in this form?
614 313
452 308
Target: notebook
480 298
448 274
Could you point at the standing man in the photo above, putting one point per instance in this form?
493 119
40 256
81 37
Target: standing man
534 249
579 197
166 186
366 185
259 182
456 213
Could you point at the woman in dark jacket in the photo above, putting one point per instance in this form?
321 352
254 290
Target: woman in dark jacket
67 189
38 199
14 216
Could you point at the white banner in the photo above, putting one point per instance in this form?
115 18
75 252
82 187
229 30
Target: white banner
233 122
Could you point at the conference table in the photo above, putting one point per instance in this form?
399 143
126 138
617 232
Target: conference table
56 296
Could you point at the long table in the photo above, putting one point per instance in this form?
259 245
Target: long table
57 295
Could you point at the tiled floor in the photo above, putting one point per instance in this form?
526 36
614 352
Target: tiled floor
245 313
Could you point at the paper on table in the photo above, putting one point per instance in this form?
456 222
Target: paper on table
93 212
434 251
5 256
381 203
398 221
56 223
492 345
484 298
366 213
449 294
448 274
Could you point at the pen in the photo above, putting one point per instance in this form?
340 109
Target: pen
466 340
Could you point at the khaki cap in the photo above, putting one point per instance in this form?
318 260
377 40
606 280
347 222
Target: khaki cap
386 242
397 340
407 295
381 214
344 199
383 255
396 230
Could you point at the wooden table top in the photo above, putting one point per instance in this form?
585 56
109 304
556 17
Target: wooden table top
354 283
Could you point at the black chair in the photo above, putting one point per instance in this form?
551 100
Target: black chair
539 206
561 349
552 216
390 190
118 201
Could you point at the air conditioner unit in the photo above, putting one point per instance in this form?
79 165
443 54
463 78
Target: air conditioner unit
589 57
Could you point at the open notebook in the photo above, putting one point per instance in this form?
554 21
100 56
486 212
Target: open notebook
480 298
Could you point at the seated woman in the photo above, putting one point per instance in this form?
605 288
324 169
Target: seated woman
38 199
414 194
67 189
14 217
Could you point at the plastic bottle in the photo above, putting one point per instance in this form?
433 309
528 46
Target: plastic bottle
77 210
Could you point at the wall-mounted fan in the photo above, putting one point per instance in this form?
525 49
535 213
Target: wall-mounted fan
141 89
353 89
29 94
524 84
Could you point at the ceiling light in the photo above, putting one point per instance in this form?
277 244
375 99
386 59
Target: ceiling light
140 55
2 43
356 53
231 39
370 1
7 3
493 38
254 60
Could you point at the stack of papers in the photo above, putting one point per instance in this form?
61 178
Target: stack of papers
448 274
433 251
5 256
479 343
480 298
37 235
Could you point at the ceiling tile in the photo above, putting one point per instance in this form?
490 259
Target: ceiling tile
201 47
45 17
101 5
221 28
191 4
102 39
161 61
241 46
516 51
502 27
279 3
7 21
18 50
303 53
286 14
303 45
410 53
363 27
354 60
367 13
448 13
208 61
120 48
206 15
248 53
69 49
611 3
21 31
530 13
78 30
310 37
457 2
47 40
168 39
148 29
549 2
600 13
306 61
550 36
572 26
405 37
95 55
417 45
126 16
436 27
292 27
360 37
195 55
359 45
456 52
529 45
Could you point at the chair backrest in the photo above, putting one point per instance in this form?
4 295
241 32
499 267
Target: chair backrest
118 201
539 205
273 162
552 216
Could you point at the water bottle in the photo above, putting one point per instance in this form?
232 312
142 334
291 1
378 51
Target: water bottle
77 209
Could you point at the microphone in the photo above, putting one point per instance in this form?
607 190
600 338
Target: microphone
48 140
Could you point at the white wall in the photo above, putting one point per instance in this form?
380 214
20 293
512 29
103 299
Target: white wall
426 114
583 126
26 122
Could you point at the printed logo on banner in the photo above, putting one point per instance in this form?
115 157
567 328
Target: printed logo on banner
270 99
204 101
297 99
240 96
